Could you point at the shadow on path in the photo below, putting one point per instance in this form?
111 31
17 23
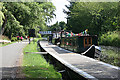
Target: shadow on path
11 72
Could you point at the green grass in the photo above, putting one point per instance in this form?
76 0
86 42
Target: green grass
5 44
113 57
110 53
31 47
35 66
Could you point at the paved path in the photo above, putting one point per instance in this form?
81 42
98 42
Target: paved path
10 55
87 67
5 41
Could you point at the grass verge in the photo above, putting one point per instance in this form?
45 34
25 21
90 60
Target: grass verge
111 56
5 44
35 66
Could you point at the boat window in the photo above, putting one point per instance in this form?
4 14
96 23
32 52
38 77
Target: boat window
89 40
85 40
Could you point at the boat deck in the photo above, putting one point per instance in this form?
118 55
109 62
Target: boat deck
84 66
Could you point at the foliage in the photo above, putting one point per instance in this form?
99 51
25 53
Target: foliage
62 25
58 26
110 38
14 39
1 14
38 35
97 17
54 27
5 37
36 39
22 16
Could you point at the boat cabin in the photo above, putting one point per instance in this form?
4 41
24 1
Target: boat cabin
78 43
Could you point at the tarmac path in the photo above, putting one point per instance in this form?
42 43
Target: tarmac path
9 56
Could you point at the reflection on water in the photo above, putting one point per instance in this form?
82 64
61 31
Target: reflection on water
110 55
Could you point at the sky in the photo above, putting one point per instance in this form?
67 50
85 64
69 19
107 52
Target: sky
60 16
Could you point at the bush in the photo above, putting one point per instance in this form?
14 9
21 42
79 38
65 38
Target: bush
36 39
14 39
110 39
5 37
38 35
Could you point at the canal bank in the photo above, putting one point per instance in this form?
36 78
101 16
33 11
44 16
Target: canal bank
86 67
111 55
67 73
34 66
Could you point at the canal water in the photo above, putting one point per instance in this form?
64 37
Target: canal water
110 55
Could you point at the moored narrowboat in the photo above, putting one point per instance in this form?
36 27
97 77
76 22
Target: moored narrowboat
83 44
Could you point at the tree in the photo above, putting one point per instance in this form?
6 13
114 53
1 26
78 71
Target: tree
97 17
58 26
54 27
62 24
1 15
26 15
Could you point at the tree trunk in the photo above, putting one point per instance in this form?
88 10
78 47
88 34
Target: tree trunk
4 24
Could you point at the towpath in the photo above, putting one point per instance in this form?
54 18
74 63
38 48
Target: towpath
9 56
86 67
